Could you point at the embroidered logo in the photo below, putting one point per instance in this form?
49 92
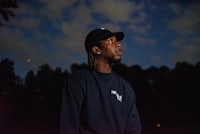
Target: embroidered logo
119 97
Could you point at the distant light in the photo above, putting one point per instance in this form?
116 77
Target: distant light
158 125
28 60
41 97
5 92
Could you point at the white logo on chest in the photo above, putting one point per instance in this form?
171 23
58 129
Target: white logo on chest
119 97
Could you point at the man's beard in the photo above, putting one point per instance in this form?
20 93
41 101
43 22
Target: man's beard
114 61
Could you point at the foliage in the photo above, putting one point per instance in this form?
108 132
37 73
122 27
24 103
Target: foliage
6 9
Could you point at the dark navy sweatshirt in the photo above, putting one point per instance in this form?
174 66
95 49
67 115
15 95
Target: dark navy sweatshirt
98 103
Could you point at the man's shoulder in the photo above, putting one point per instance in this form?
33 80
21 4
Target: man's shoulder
80 73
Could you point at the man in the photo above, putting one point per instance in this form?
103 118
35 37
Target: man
96 100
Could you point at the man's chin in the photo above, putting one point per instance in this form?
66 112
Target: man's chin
115 61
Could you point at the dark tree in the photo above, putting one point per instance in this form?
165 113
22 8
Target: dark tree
11 89
6 9
74 67
45 89
8 80
137 77
166 96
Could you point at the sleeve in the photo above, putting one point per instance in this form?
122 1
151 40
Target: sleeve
133 124
72 99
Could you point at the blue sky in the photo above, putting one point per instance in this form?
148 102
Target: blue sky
157 32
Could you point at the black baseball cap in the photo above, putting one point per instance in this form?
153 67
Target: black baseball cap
96 35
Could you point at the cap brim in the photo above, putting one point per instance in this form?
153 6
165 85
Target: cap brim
118 35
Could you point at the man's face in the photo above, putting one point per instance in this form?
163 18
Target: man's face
111 49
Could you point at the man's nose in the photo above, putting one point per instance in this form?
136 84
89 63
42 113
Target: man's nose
118 44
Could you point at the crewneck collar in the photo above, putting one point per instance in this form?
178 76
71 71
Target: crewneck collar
103 75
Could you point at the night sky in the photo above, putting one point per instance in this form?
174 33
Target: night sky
157 32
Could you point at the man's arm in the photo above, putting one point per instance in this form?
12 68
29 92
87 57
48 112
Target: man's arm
133 124
71 106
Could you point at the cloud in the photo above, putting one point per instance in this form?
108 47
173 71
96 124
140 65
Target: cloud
53 31
5 39
115 11
131 14
13 41
144 40
72 22
75 30
187 19
156 58
28 23
186 26
187 50
56 9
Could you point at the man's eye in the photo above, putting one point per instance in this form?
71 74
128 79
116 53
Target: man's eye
110 41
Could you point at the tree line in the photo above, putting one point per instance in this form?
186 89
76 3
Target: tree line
164 95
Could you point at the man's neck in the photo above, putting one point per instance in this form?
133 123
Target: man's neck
103 67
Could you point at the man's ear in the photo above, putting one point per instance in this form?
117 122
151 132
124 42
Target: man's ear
96 50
